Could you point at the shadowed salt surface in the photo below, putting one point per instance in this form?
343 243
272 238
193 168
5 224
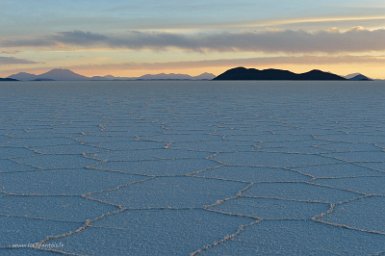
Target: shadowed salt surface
192 168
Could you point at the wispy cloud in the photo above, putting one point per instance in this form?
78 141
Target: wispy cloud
290 41
12 60
314 20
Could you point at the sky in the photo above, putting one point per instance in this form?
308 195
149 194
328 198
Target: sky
136 37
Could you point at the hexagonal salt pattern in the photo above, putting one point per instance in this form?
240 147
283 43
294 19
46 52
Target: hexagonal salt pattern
192 168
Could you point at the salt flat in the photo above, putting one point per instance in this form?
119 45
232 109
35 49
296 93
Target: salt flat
192 168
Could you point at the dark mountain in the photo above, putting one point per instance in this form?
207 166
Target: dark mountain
358 77
8 80
242 73
319 75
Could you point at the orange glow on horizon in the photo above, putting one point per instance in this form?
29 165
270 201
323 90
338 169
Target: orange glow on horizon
375 71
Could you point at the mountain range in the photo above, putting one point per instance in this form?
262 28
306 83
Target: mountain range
68 75
239 73
242 73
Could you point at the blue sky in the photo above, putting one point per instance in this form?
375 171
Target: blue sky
147 36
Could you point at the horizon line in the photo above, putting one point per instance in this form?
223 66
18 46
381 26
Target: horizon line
174 73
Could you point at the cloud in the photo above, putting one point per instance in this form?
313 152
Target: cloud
12 60
316 20
78 38
288 41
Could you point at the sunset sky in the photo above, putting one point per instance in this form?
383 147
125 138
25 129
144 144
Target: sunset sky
131 38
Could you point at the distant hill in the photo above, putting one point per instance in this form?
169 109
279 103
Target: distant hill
164 77
8 80
106 78
172 76
358 77
242 73
43 80
68 75
23 76
61 75
204 76
52 75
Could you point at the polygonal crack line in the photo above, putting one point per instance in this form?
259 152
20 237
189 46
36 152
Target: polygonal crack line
38 218
353 163
209 169
381 148
203 170
349 190
121 186
227 238
213 152
154 158
358 164
311 184
286 199
291 168
36 194
240 229
43 249
41 170
274 141
271 151
97 169
344 226
316 138
231 214
346 177
336 159
16 147
335 225
353 151
378 254
38 168
317 218
308 175
206 178
88 223
148 160
333 206
85 155
208 158
189 174
220 164
96 146
237 195
15 161
369 168
84 196
89 144
324 142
